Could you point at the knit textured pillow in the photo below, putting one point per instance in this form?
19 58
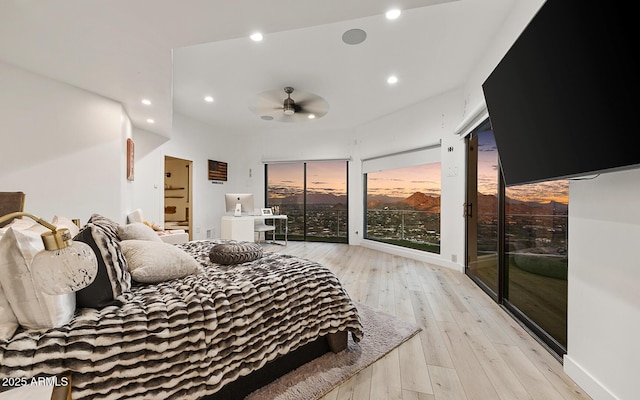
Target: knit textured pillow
233 252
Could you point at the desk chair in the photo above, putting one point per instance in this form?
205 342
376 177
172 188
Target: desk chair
11 202
260 226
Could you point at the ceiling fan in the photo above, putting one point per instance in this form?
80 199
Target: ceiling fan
278 106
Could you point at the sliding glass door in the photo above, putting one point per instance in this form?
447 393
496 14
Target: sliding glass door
536 259
517 241
313 195
482 209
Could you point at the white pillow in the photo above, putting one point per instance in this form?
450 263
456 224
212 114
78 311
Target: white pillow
32 308
64 222
8 320
154 262
137 231
135 216
18 223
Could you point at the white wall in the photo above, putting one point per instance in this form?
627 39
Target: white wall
517 20
148 186
64 147
604 285
199 143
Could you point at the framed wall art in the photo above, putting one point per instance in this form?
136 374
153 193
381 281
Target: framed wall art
130 159
217 171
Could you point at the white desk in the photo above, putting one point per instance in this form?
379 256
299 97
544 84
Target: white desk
242 228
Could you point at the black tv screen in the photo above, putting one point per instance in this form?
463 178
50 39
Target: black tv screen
562 101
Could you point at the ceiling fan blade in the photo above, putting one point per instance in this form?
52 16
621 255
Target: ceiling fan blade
297 117
270 105
314 103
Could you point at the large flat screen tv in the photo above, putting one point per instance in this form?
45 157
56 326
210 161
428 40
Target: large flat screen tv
563 101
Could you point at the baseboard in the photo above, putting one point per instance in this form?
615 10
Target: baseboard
586 381
412 254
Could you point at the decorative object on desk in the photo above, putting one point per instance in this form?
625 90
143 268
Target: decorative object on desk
276 210
130 159
217 171
266 211
64 266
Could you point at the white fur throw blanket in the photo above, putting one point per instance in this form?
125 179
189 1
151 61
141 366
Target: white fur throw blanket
187 338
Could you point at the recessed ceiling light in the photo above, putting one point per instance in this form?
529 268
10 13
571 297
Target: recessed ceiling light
151 120
311 116
208 99
392 80
146 102
256 37
393 14
267 117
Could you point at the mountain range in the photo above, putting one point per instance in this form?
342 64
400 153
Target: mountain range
423 202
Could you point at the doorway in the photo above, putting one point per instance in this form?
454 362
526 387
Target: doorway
178 194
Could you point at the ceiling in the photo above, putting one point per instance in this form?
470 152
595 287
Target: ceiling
176 52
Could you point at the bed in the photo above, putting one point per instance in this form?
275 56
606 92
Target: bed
194 336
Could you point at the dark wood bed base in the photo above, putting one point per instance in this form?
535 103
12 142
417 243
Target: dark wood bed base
243 386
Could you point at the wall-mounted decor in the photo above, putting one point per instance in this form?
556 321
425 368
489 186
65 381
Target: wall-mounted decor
217 171
130 159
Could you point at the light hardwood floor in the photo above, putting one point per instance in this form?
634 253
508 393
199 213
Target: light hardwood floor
468 349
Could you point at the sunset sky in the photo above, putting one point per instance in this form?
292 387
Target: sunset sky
330 177
403 182
327 177
543 192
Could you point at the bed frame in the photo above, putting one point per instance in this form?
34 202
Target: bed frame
242 387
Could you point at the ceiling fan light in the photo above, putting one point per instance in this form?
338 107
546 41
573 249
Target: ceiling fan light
289 105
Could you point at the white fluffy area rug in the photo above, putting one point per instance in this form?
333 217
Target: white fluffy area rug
382 333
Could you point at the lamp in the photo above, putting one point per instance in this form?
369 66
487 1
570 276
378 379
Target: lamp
64 266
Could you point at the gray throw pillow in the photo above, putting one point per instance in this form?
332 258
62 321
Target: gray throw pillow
154 262
137 231
234 252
